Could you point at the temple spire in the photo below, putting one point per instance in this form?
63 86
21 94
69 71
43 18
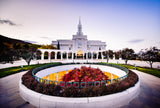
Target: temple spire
79 20
79 27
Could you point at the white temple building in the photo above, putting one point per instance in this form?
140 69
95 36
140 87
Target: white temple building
78 47
80 42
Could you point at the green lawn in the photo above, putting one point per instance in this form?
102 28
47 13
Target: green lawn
155 72
12 70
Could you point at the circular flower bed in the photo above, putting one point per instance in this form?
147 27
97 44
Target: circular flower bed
86 74
55 90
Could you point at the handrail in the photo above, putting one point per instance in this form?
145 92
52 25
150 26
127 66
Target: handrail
79 84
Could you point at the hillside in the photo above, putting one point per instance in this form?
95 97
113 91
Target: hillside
9 48
4 39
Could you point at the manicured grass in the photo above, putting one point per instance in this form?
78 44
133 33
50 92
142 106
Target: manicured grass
155 72
12 70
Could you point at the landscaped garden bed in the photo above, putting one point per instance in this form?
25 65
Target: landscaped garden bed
91 91
86 74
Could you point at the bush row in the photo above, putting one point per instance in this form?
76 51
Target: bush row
56 90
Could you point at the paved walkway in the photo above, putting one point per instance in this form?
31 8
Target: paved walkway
132 62
9 92
149 96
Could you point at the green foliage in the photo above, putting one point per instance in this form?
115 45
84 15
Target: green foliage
11 49
118 54
28 54
34 46
47 47
108 54
150 55
25 51
127 54
11 52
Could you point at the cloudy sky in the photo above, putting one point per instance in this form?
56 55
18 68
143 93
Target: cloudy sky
120 23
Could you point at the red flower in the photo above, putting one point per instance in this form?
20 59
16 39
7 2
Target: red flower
86 74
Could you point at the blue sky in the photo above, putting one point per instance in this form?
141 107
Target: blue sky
120 23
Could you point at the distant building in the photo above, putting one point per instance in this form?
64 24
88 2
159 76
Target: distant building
78 47
80 42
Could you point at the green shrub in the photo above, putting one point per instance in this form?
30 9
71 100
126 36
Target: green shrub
71 92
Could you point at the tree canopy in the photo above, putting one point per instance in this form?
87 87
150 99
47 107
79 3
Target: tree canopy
127 54
47 47
150 55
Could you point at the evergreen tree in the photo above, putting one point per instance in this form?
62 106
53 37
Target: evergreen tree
58 46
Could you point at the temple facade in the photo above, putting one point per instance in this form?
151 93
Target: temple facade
78 47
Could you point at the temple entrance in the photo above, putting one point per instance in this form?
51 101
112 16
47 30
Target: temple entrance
80 54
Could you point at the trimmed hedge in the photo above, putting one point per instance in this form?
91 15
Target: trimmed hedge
92 91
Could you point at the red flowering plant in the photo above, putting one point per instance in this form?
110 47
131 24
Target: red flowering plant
85 74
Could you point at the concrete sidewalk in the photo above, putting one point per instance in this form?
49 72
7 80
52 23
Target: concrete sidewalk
149 96
9 92
131 62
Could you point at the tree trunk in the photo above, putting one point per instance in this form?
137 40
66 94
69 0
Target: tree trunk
107 60
151 63
28 63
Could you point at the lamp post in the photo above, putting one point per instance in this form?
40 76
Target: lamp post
22 68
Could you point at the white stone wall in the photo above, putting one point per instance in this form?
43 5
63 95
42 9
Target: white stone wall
80 44
64 47
115 100
85 45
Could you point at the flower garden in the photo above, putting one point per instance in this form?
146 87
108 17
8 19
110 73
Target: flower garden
82 74
86 74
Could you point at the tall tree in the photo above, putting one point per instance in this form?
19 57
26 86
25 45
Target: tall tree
127 54
13 49
58 46
118 54
25 51
28 54
151 55
109 54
